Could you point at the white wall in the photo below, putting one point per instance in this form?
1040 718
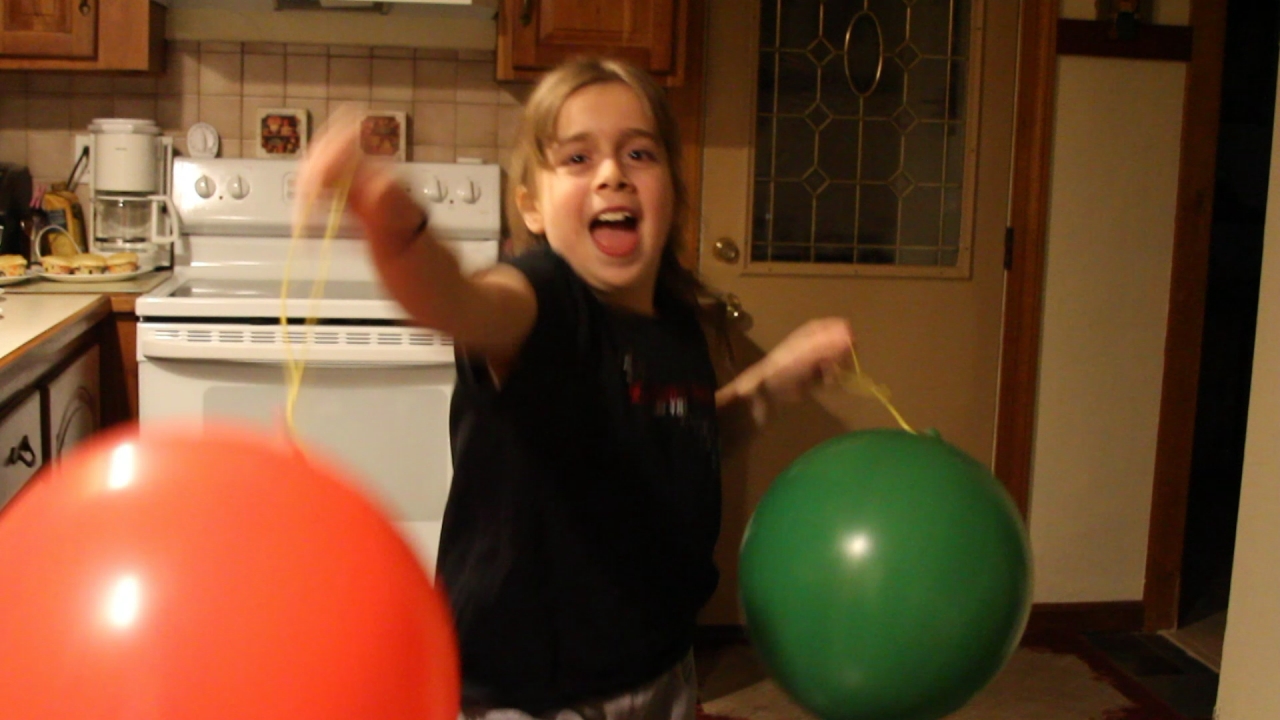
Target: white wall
1109 256
1247 688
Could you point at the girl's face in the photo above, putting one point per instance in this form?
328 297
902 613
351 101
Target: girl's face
605 203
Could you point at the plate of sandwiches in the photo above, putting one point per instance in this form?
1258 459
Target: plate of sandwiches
13 270
91 267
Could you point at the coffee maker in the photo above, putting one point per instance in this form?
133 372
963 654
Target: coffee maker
129 172
15 207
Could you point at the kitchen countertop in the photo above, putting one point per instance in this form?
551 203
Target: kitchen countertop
34 328
122 294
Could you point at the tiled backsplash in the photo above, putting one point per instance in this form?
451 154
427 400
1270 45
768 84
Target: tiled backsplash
455 107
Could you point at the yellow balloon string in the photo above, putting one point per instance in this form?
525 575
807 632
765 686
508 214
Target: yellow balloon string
294 367
860 383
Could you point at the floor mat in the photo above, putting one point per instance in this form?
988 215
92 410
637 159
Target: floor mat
1051 678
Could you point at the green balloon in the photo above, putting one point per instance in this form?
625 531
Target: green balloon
885 576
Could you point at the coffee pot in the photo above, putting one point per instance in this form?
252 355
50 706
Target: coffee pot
129 173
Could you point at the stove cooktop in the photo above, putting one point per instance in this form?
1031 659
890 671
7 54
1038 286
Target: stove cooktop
253 300
229 289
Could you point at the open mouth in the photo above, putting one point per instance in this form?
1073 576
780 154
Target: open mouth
615 233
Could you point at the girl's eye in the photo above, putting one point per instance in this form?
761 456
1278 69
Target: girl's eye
642 154
576 159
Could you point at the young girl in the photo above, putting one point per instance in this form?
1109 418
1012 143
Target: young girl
585 505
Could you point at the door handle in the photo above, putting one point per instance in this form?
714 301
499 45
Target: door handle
526 12
22 453
726 251
85 8
733 307
734 313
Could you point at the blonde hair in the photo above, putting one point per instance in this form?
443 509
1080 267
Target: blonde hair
537 130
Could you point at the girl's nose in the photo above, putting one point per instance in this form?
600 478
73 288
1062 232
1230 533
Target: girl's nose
611 176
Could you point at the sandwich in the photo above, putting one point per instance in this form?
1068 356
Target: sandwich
122 262
13 266
56 264
88 264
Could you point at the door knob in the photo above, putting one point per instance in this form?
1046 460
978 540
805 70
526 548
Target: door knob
726 250
734 311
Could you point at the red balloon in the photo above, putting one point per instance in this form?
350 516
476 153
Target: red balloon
214 573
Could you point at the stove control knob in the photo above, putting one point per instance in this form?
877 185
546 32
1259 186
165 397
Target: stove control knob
204 187
467 192
238 187
435 190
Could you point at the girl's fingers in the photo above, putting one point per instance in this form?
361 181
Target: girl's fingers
330 157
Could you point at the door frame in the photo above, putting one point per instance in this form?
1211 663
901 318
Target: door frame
1044 37
1190 277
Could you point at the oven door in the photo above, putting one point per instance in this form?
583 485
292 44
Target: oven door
382 410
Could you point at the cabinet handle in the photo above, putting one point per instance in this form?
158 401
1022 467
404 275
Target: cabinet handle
85 9
526 12
22 453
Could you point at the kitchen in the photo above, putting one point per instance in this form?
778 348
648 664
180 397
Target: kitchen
222 67
212 86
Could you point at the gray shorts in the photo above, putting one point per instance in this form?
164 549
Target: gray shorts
673 696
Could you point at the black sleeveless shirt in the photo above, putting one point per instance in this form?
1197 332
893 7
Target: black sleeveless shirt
585 505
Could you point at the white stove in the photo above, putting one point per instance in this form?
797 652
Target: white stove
377 389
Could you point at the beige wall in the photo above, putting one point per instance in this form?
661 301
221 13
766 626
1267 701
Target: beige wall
1110 240
455 108
1247 687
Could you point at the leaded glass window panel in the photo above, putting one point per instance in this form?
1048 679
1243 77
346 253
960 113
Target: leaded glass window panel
861 142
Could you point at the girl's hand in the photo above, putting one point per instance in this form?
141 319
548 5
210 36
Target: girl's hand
376 197
818 351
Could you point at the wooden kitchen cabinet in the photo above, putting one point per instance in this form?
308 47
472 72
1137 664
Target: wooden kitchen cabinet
82 35
49 28
536 35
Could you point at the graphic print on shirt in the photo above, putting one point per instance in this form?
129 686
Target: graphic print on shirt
685 403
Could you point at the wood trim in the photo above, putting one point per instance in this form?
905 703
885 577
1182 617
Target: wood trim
1154 42
118 338
687 105
1029 212
1191 238
1085 617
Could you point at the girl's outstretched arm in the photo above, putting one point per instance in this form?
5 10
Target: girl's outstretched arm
490 313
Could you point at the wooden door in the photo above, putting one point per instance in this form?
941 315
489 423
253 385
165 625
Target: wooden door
538 34
809 208
49 28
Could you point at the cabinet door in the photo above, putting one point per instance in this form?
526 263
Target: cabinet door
20 443
542 33
49 28
74 402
